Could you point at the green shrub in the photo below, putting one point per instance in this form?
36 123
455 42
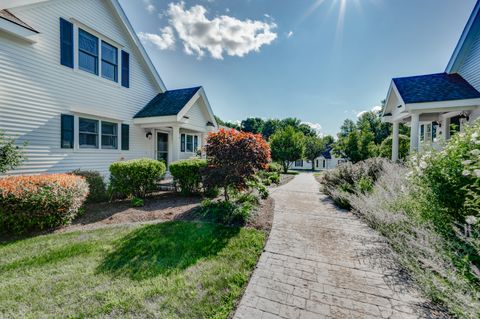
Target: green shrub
11 154
351 178
135 177
365 185
96 185
40 202
268 177
226 212
441 256
187 175
274 167
137 202
211 192
453 175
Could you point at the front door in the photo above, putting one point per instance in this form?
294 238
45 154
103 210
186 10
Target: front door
162 147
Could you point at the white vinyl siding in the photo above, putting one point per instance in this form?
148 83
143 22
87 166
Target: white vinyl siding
197 117
35 89
470 66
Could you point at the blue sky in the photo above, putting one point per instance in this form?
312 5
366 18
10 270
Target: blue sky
320 61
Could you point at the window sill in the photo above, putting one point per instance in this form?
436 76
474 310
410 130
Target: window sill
98 78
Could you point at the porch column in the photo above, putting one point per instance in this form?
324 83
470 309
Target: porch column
395 142
175 143
446 128
414 129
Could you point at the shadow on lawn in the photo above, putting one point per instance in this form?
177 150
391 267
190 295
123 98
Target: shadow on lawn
162 248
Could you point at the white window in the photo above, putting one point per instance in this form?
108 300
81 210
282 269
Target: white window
188 143
324 163
109 135
299 163
93 133
88 133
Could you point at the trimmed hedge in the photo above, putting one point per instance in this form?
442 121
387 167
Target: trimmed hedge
187 175
96 185
135 178
41 201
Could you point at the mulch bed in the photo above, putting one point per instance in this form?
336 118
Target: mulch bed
160 207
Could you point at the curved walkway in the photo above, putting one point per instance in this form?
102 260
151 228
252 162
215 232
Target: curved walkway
323 262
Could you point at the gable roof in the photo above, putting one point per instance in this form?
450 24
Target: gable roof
7 15
435 88
168 103
471 28
326 154
126 23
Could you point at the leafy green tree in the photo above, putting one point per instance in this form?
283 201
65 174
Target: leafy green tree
10 154
290 121
328 140
287 145
270 127
252 125
385 149
347 127
307 130
314 146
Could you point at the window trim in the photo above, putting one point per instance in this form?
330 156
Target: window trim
97 57
86 146
115 76
108 147
184 143
77 26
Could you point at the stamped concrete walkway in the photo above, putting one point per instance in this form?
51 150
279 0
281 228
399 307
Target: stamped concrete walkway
323 262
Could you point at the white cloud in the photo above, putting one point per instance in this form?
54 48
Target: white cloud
149 6
315 126
164 41
374 109
218 36
289 34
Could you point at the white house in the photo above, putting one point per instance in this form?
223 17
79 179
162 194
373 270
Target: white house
77 84
438 105
325 161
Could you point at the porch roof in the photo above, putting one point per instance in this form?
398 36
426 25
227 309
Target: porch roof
435 88
168 103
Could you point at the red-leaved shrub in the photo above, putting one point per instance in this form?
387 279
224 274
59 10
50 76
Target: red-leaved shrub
40 201
233 158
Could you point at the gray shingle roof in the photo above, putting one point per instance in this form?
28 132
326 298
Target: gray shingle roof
7 15
168 103
435 88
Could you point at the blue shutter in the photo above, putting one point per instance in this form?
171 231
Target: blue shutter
66 43
66 139
125 69
182 143
125 137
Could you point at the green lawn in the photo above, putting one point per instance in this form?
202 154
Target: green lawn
167 270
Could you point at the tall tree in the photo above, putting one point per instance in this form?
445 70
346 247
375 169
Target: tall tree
252 125
270 127
287 145
347 127
314 146
328 140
